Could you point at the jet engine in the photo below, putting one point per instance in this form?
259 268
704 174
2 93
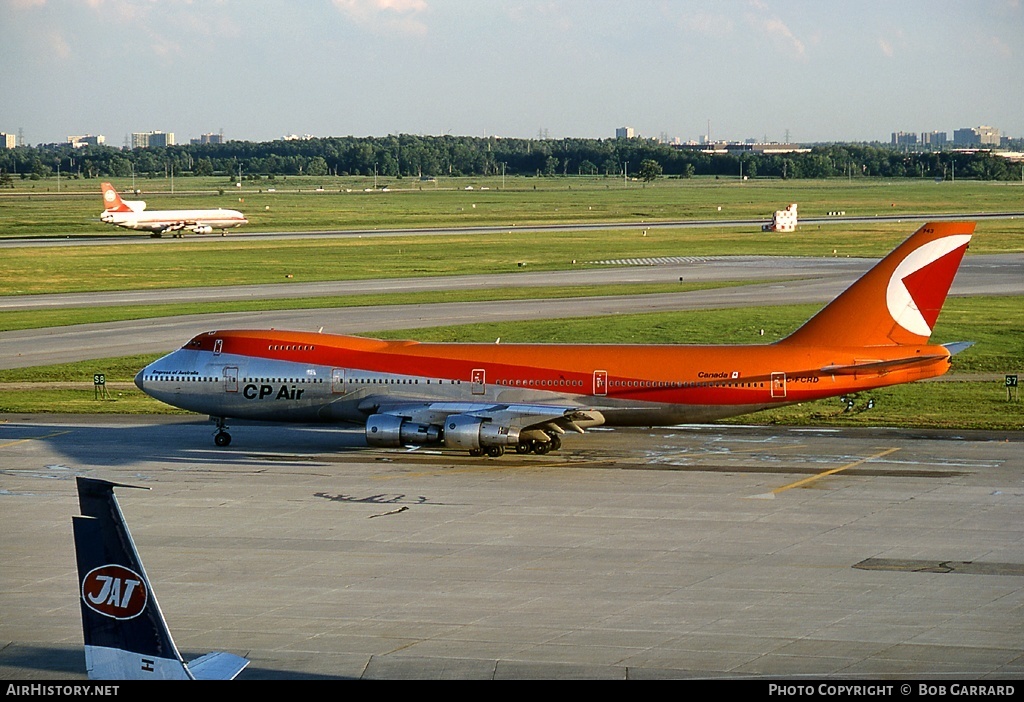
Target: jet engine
390 431
466 432
203 230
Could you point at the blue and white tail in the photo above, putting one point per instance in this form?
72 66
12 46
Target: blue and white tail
126 637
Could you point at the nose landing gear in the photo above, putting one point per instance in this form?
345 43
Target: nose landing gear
222 437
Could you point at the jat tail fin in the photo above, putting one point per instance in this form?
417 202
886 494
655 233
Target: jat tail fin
112 202
126 637
897 301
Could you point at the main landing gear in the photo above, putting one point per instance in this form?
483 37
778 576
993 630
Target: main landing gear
540 447
492 451
222 438
523 447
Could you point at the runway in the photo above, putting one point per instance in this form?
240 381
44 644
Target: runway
121 236
697 552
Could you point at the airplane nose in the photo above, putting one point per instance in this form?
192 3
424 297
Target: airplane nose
138 380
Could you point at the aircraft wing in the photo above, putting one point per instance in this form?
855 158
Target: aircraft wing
524 417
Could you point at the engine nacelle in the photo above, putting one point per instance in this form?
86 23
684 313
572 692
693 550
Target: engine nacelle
390 431
203 230
465 432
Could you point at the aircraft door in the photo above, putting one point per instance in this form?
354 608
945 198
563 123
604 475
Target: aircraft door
600 382
778 384
230 379
479 380
337 381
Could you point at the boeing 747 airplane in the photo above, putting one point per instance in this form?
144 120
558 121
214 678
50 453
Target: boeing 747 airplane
486 398
132 214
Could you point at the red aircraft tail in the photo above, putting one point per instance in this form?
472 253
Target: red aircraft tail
898 300
112 202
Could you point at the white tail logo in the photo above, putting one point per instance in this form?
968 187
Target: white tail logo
905 296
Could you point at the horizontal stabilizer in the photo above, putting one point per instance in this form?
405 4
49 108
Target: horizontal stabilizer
880 366
956 347
217 666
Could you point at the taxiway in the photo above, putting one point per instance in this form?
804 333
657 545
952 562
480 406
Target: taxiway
708 552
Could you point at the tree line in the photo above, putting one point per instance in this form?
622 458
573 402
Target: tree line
403 156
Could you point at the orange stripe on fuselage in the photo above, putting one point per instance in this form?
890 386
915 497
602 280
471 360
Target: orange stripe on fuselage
658 373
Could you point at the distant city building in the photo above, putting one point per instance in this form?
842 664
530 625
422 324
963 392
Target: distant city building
209 139
904 139
142 140
624 133
86 140
8 141
296 137
934 140
976 136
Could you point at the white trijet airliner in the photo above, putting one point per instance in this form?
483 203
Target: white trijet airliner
132 214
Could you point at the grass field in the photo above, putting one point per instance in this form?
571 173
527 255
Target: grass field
36 209
222 261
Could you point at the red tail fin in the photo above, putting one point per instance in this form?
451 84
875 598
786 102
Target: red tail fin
112 202
897 301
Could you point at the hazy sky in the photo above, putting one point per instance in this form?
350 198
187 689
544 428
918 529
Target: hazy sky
824 70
